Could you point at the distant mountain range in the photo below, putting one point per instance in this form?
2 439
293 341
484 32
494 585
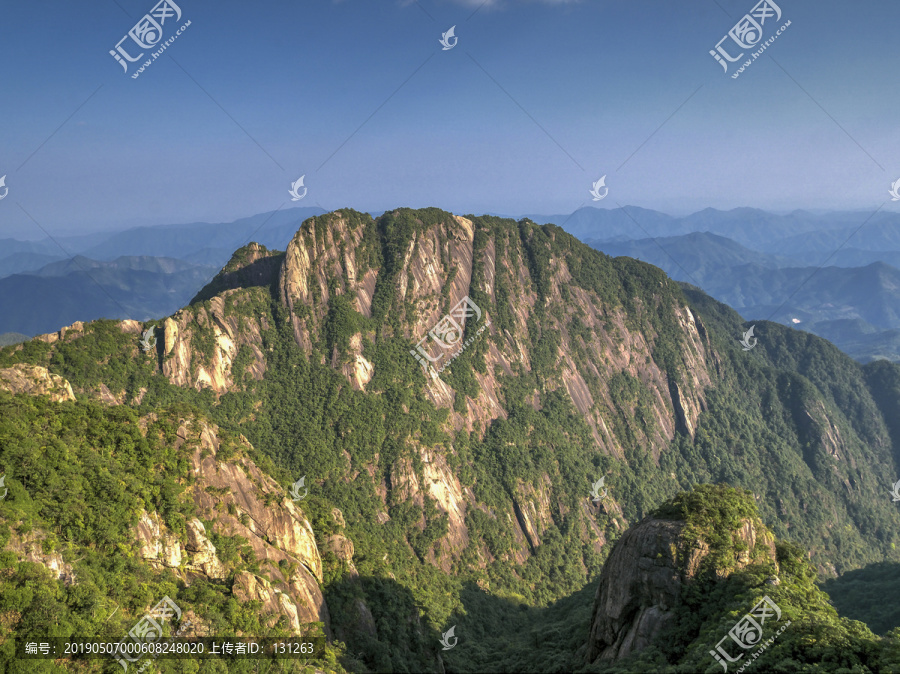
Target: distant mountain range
10 338
200 243
18 263
858 308
834 274
203 242
793 233
81 289
140 273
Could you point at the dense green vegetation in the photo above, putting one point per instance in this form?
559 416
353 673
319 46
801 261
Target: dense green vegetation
252 265
713 514
78 475
518 604
817 639
867 595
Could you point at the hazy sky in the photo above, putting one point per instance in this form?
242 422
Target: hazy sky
536 101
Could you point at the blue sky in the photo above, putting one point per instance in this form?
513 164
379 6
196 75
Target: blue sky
536 101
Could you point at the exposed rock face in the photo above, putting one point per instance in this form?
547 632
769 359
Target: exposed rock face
203 552
444 487
436 271
357 369
437 267
342 547
106 396
157 545
365 621
35 380
201 343
234 496
325 248
295 601
643 578
74 330
29 548
130 327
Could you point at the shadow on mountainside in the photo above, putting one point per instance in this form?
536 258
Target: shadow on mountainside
385 630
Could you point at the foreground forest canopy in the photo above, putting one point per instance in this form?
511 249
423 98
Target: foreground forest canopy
459 501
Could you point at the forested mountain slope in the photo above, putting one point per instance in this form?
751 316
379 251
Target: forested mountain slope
702 583
465 499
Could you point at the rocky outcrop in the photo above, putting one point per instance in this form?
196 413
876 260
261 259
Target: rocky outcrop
30 548
74 330
531 506
244 502
161 548
35 380
293 601
156 544
250 266
358 370
325 257
358 616
433 271
200 344
444 487
203 552
342 548
643 578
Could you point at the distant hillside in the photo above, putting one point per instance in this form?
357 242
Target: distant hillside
800 235
16 247
25 262
860 595
860 339
700 254
857 308
881 233
79 263
273 229
846 257
82 290
10 338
